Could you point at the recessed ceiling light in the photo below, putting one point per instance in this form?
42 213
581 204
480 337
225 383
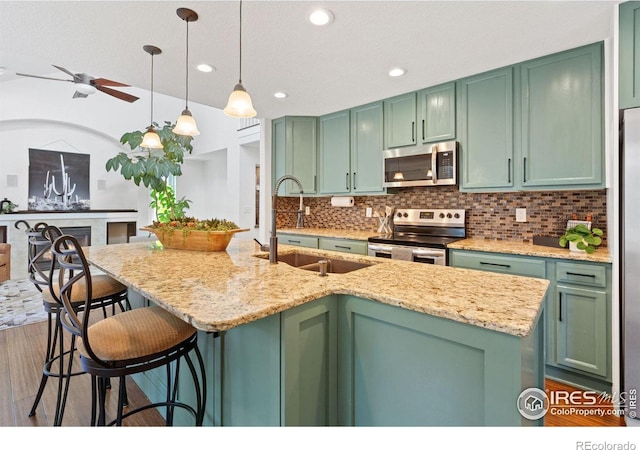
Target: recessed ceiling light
397 72
280 95
321 17
205 68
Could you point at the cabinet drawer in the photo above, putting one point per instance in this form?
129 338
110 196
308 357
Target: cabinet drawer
344 245
301 241
498 263
584 274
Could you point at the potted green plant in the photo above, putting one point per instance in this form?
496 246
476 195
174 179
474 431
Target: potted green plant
153 168
581 238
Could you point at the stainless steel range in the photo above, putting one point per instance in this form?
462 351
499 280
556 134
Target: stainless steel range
420 235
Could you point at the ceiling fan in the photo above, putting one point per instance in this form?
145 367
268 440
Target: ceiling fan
87 85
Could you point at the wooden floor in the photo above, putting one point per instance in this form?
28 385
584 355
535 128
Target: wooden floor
22 354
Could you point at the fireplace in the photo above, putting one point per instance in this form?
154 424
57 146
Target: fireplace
82 234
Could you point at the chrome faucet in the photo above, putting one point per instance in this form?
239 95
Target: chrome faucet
273 240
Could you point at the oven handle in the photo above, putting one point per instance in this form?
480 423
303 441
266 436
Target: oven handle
438 254
380 248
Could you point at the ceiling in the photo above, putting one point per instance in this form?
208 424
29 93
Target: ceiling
323 69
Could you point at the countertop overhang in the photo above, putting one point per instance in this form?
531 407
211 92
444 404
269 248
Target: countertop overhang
220 290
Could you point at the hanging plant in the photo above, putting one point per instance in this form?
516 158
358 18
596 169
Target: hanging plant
153 168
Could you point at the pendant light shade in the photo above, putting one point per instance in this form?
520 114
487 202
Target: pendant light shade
186 124
239 104
151 138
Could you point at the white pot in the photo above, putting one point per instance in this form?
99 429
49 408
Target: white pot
573 246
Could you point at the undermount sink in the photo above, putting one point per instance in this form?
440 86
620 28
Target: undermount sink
310 262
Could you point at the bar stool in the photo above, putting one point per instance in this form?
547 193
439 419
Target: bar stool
127 343
41 267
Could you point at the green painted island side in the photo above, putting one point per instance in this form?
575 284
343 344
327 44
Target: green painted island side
347 361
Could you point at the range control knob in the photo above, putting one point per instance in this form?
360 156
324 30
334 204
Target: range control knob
399 214
456 215
449 216
442 215
406 215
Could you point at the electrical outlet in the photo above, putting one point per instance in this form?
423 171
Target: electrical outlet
521 214
369 212
307 210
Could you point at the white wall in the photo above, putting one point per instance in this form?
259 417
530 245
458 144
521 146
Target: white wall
42 114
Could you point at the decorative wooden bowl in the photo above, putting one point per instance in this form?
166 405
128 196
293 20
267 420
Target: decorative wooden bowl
198 240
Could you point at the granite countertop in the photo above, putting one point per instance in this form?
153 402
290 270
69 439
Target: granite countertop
601 255
221 290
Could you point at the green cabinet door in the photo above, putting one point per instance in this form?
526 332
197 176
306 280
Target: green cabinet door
309 364
366 148
294 152
581 331
437 113
400 120
485 130
561 126
629 54
335 153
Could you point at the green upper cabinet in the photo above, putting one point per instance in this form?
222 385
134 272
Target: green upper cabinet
400 120
629 47
335 153
351 151
533 126
294 152
366 149
561 126
437 113
485 130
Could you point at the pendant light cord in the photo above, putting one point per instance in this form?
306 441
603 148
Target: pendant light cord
186 97
240 74
151 90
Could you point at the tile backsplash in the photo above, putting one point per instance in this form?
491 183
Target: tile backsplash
489 215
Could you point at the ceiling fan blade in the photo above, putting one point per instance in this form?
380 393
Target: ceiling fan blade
64 70
44 78
121 95
105 82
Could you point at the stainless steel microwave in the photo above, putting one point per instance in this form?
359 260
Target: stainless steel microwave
425 165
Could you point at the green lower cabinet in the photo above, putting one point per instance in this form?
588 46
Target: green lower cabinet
298 240
347 361
581 338
309 364
343 245
578 318
399 367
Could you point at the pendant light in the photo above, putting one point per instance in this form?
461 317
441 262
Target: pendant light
239 104
186 124
151 138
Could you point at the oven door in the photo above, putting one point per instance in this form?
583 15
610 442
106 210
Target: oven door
379 250
430 256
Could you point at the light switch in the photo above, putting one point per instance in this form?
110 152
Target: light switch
521 214
307 210
369 212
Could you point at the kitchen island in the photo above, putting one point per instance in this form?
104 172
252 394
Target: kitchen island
395 343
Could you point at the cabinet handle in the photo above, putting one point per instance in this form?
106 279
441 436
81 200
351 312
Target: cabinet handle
560 315
509 171
354 181
506 266
413 131
291 241
347 181
589 275
524 170
423 129
343 247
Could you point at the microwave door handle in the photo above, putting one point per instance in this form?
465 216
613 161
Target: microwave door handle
379 248
434 164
